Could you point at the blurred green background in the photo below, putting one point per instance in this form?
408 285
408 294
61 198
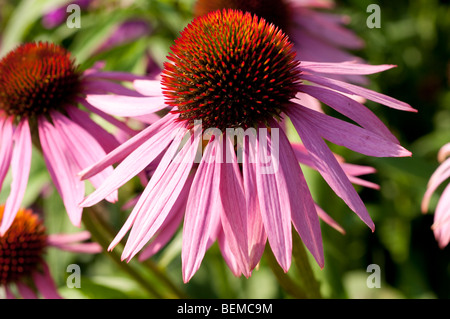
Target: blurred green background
414 35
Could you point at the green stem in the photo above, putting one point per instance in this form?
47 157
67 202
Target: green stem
307 279
96 213
286 282
91 224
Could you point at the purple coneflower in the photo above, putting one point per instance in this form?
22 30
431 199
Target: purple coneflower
22 250
40 90
441 225
233 74
317 35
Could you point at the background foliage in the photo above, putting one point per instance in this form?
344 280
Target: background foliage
414 35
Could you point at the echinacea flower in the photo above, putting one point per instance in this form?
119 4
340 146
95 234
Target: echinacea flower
441 224
41 89
22 252
227 167
317 34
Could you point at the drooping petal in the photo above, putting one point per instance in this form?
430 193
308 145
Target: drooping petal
344 67
349 135
257 236
202 202
441 226
134 163
227 254
62 169
439 176
161 194
327 29
127 106
6 146
350 108
148 87
26 291
104 87
327 164
65 239
45 284
83 147
128 147
20 166
327 219
444 152
274 200
234 213
103 137
303 210
360 91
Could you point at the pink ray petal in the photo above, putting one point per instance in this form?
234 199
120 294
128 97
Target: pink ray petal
350 108
308 101
120 125
441 226
129 146
227 254
274 203
105 87
113 76
64 239
45 284
444 152
103 137
202 204
169 226
257 236
6 146
360 91
128 106
327 164
148 87
437 178
327 29
234 212
83 248
134 163
160 196
344 67
26 291
20 166
351 136
62 168
303 210
83 147
9 293
327 219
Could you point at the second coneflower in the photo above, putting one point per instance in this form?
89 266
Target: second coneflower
230 79
41 88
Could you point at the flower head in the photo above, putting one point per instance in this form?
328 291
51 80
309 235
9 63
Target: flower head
41 88
22 250
247 186
247 81
441 225
317 35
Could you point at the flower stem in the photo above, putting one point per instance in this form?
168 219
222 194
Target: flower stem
307 279
92 225
96 214
285 281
